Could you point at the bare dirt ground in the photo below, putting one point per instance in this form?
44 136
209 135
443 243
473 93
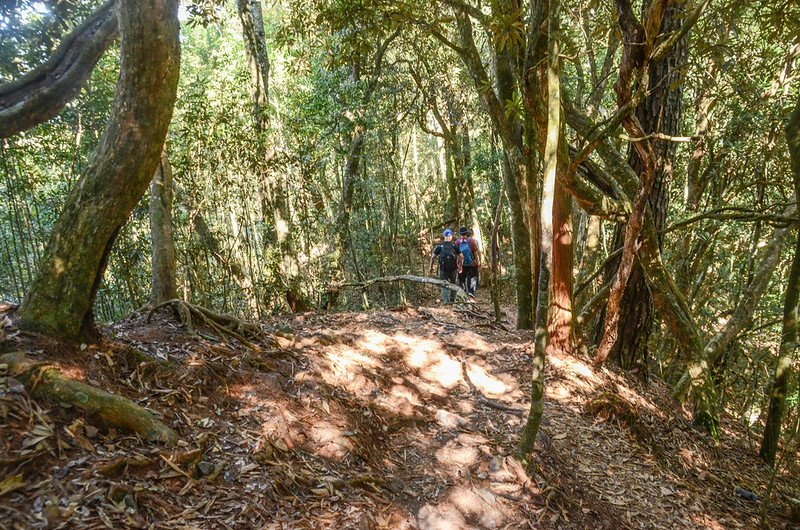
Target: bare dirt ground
386 419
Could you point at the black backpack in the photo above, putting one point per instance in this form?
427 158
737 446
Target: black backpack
447 257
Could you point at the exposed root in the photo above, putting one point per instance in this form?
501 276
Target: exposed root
222 325
44 381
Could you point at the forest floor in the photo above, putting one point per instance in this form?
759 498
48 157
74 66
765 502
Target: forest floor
388 419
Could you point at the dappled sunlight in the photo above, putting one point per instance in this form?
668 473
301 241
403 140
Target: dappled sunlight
443 370
374 342
469 340
427 356
462 451
485 382
563 394
347 358
400 400
73 372
417 350
464 507
328 440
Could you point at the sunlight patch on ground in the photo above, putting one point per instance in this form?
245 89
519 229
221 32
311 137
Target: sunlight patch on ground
469 340
433 364
401 400
464 507
485 382
348 358
374 342
462 451
328 440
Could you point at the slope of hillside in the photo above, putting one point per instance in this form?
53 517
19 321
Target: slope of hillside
386 419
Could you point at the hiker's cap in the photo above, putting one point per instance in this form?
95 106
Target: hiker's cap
463 230
448 232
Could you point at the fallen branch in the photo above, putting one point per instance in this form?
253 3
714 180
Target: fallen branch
46 382
461 296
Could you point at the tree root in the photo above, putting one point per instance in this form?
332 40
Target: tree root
46 382
222 325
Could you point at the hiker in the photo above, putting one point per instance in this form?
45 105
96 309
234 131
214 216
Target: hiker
471 252
449 264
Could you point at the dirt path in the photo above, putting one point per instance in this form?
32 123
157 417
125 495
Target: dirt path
392 419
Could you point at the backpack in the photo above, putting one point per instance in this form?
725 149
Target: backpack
465 246
447 257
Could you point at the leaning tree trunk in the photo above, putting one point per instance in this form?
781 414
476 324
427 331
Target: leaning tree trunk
61 297
791 307
660 112
164 285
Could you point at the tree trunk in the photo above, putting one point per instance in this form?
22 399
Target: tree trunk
660 112
165 285
791 306
255 45
60 300
554 305
520 233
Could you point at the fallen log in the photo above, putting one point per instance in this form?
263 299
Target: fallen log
461 295
44 381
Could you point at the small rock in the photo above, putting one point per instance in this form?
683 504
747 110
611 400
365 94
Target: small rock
205 468
746 495
495 464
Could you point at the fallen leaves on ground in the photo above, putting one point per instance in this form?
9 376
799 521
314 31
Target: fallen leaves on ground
388 419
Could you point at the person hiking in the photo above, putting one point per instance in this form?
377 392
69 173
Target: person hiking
471 252
450 260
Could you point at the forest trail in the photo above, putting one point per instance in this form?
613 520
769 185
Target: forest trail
384 419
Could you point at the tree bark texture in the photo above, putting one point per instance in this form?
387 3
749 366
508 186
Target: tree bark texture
791 307
117 175
43 92
659 113
255 45
524 255
554 305
164 286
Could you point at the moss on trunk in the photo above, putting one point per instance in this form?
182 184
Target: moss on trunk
46 382
61 297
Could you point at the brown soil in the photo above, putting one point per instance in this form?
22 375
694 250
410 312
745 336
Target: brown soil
387 419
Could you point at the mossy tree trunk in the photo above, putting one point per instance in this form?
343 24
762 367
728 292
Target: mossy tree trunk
117 175
791 306
554 304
